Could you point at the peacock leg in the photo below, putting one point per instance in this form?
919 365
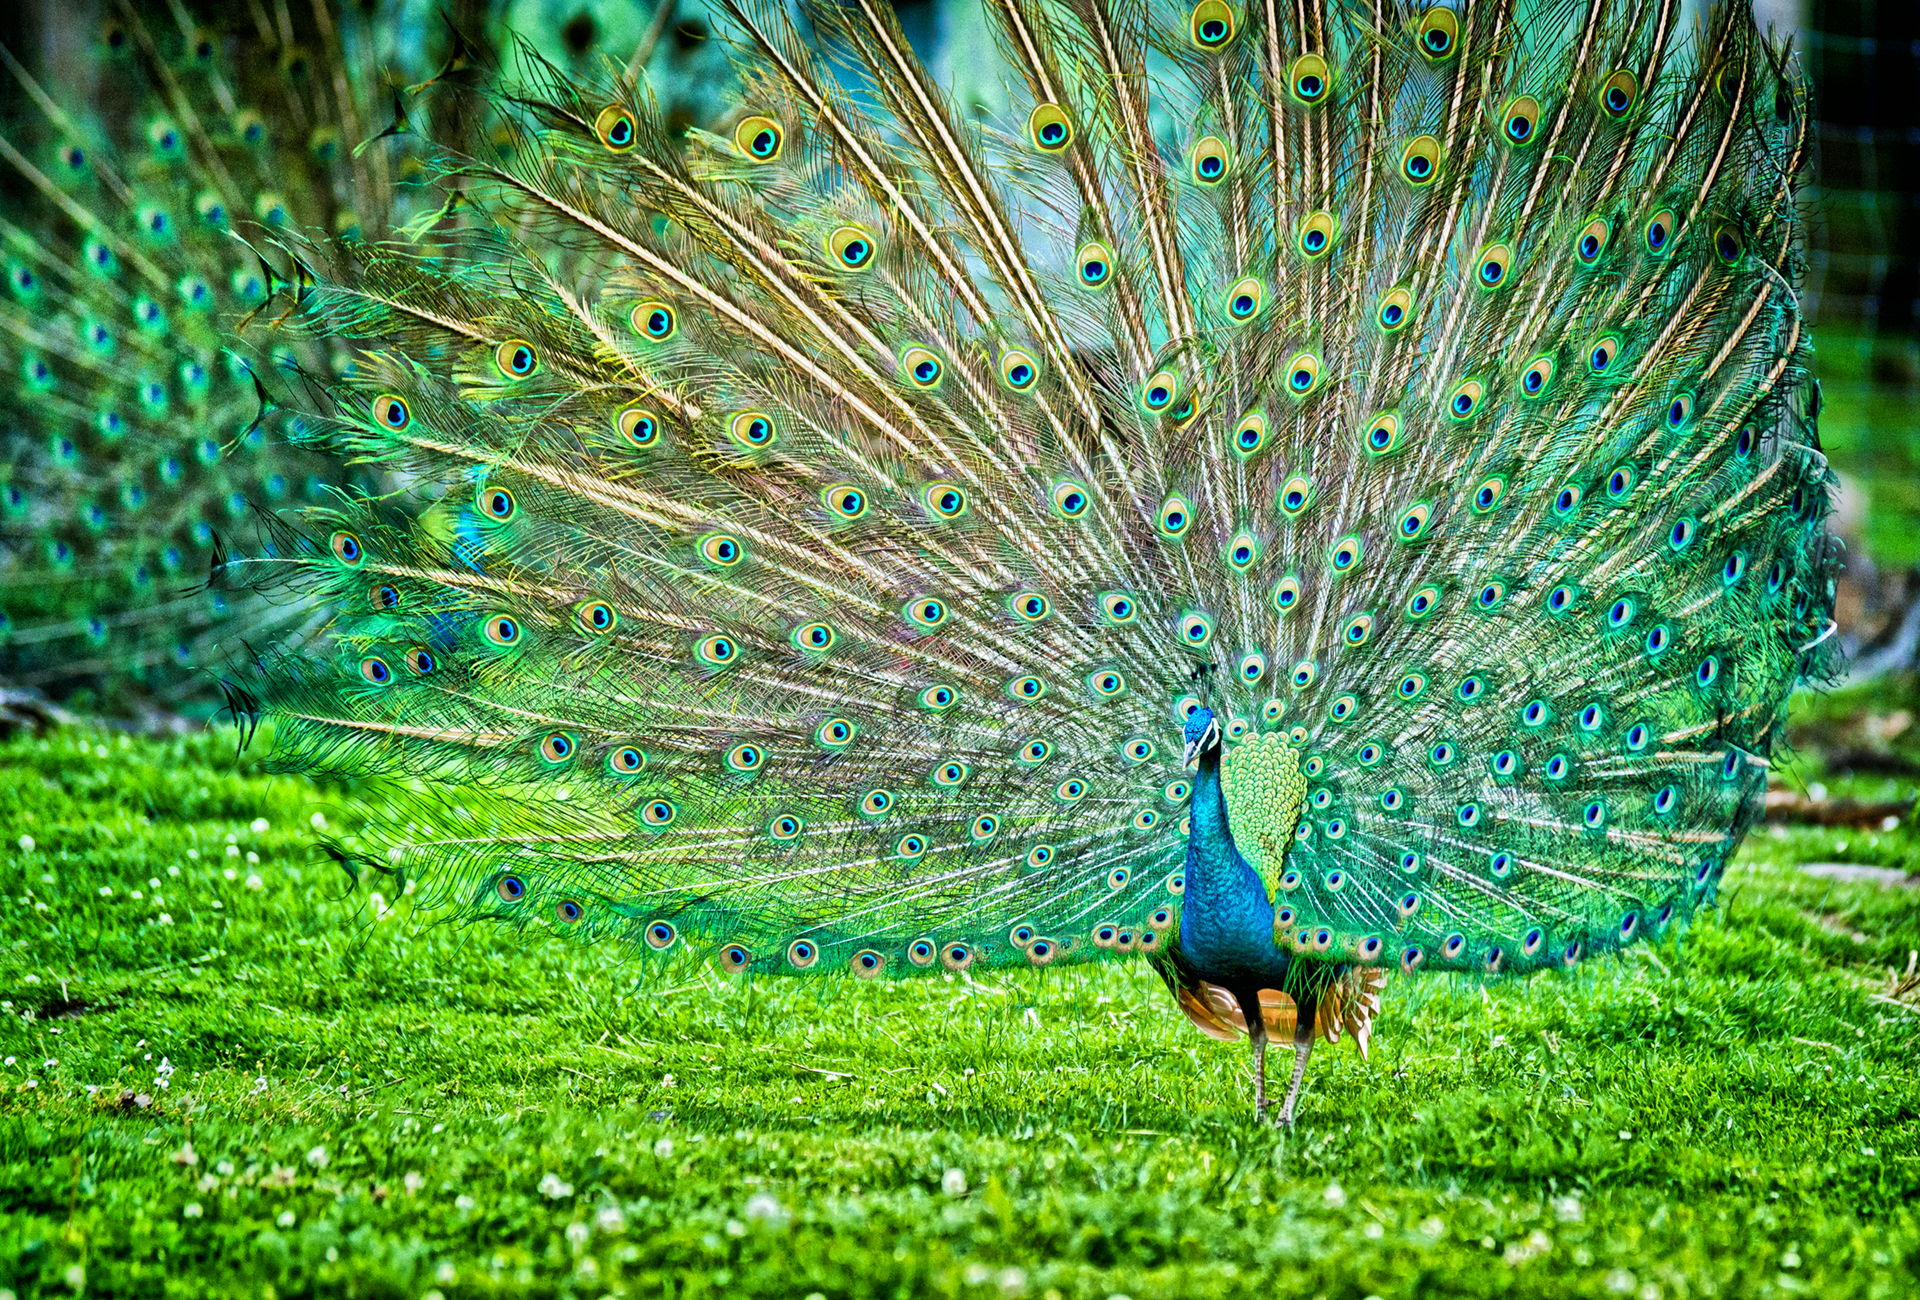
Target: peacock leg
1304 1003
1257 1031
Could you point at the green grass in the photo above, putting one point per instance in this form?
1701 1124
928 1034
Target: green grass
338 1103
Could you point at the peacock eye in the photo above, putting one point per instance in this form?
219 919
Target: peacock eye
347 549
557 747
655 321
615 128
374 670
1618 94
1309 78
1211 24
391 412
502 629
1520 120
1209 161
759 138
1049 127
598 617
1420 160
516 359
1095 263
1439 34
753 429
851 247
498 504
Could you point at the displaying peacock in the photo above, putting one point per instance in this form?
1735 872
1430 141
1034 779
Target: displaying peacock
148 149
1327 490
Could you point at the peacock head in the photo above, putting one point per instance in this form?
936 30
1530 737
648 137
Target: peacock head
1202 735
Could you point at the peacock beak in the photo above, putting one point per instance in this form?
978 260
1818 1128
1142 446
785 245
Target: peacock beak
1191 755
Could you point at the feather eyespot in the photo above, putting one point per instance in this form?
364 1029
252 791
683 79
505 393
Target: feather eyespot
1026 689
1395 310
1303 674
615 128
939 698
1383 434
759 138
502 629
638 426
374 670
1489 493
1343 708
844 501
1303 374
735 959
347 549
1094 263
1252 668
851 248
1309 79
626 760
1208 162
1359 628
745 760
1295 495
718 651
1243 300
1345 553
876 803
910 847
1591 243
956 956
1196 630
1028 606
1049 127
1070 791
1602 353
660 935
1420 160
1250 434
1679 411
655 321
1157 394
497 504
568 912
925 612
1040 855
516 359
1621 482
921 952
1413 522
1423 602
835 734
722 550
1520 120
1118 607
1537 377
1728 245
814 638
391 412
1495 262
984 828
867 963
1175 517
419 661
557 747
922 368
753 430
1439 34
802 954
1018 370
1317 234
510 888
1070 499
1618 94
1465 399
384 596
1286 593
945 500
1243 551
1211 25
1659 231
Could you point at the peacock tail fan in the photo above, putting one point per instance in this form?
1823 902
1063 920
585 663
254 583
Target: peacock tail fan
825 585
144 170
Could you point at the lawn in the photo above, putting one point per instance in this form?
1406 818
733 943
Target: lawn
230 1071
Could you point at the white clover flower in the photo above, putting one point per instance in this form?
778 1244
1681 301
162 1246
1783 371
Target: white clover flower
106 891
318 821
260 826
610 1219
165 919
766 1208
26 843
286 1219
318 1157
577 1233
255 883
174 871
463 1203
954 1182
413 1182
193 855
193 1210
553 1187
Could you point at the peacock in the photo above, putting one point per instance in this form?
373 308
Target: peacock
148 151
1320 491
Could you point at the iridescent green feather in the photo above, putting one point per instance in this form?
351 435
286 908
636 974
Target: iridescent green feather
825 584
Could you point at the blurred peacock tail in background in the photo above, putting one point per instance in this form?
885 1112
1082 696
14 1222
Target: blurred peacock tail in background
150 148
1320 490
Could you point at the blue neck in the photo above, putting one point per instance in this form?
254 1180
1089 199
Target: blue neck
1226 920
